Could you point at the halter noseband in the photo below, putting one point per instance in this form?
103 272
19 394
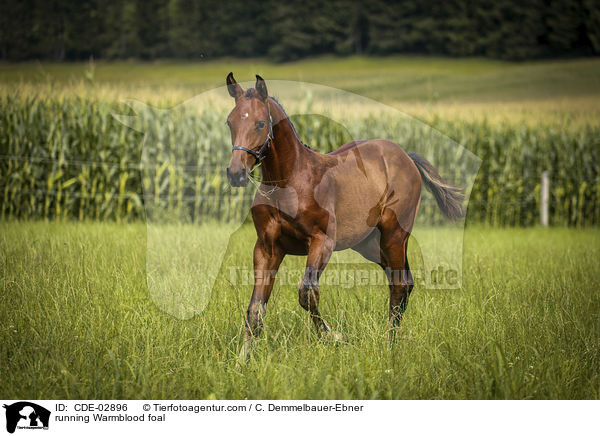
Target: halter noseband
258 155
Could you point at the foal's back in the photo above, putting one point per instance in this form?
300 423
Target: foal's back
369 178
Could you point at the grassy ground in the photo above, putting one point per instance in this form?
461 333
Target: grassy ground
418 85
76 321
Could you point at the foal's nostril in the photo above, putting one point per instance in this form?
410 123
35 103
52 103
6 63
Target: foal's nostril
237 179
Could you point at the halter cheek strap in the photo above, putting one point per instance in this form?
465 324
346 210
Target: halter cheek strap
259 155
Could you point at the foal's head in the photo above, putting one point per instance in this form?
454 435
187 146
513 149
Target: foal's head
251 128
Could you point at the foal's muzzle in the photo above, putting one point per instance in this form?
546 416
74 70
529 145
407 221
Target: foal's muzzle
238 179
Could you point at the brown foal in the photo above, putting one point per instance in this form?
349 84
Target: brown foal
363 196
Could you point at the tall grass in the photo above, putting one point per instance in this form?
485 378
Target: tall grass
69 158
77 322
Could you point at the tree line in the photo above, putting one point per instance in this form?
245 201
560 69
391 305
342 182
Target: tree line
292 29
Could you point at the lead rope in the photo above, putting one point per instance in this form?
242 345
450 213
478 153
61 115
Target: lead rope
256 183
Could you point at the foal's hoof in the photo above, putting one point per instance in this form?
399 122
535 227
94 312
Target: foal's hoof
244 356
242 360
336 337
395 335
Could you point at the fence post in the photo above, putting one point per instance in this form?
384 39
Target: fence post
544 199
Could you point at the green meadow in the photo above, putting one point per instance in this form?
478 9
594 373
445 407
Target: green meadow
78 322
420 85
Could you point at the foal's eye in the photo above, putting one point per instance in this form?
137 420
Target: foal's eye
259 125
228 124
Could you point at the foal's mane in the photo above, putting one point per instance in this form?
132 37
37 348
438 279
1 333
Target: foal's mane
290 121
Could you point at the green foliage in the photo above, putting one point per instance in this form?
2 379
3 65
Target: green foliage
506 191
507 29
69 158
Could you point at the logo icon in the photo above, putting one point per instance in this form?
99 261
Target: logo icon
26 415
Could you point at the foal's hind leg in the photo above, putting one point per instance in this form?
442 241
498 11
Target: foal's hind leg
309 293
388 250
393 251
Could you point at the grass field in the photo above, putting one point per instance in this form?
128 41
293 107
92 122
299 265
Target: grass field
77 321
421 86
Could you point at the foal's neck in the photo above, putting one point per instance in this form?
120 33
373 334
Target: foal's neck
287 152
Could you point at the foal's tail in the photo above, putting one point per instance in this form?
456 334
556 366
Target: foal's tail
448 197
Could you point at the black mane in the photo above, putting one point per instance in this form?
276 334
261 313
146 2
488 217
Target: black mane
290 121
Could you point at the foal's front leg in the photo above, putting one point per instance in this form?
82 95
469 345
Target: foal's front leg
319 252
266 264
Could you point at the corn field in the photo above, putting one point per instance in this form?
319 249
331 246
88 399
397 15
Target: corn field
69 158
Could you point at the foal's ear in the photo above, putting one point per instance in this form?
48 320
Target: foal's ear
261 88
235 90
